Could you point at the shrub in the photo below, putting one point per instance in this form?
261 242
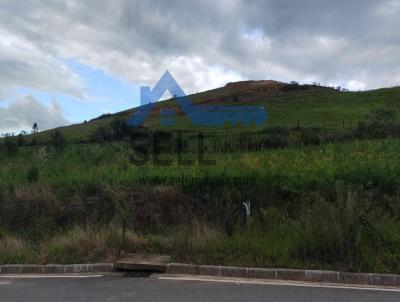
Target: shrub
276 137
30 210
381 117
88 244
33 174
58 140
20 140
102 134
16 251
10 144
119 129
157 207
294 86
310 136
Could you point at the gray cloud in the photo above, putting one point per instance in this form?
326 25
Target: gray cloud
203 43
23 63
22 113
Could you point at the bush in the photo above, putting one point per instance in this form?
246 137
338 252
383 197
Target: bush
119 129
294 86
33 174
29 210
20 140
58 140
101 135
16 251
150 208
88 244
10 144
310 136
382 117
276 137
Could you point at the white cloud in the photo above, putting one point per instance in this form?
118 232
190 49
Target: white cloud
203 43
22 113
25 64
208 41
356 85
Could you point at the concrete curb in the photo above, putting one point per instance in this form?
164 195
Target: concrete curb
222 271
286 274
56 269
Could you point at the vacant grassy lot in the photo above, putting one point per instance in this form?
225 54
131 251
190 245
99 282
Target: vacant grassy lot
331 206
322 178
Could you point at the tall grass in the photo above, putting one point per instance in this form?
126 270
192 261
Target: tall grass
355 231
331 206
80 244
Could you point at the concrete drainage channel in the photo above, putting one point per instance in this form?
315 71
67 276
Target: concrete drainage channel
138 274
142 266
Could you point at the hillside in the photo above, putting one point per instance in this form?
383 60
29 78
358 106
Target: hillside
287 105
321 175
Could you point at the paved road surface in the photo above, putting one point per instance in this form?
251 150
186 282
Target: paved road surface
117 288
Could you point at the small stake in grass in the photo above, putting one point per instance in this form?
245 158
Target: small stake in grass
247 205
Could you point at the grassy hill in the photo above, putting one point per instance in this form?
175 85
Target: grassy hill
286 106
321 175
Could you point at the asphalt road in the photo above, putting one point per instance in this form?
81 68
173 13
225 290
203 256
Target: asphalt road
116 288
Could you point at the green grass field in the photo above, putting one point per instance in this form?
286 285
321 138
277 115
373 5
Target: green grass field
316 106
322 176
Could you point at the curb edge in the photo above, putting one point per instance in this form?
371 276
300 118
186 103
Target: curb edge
286 274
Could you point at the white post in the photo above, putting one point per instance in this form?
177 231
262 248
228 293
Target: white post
247 206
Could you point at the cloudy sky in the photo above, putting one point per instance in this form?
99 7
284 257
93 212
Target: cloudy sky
66 61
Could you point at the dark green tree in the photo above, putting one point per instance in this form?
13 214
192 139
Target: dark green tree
35 128
119 129
20 139
10 144
58 140
101 135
